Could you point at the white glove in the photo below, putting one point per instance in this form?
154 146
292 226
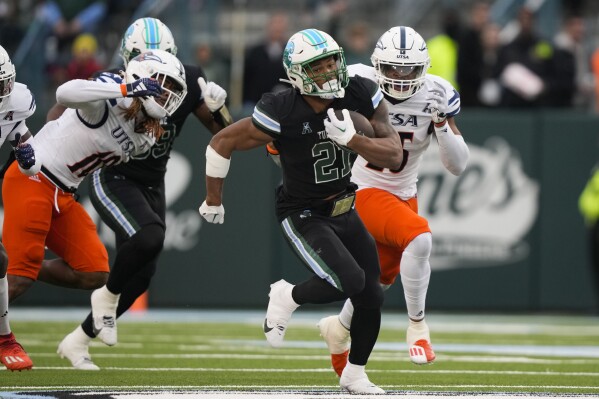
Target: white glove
214 96
212 214
341 132
437 98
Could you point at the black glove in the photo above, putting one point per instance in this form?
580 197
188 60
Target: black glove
24 153
143 87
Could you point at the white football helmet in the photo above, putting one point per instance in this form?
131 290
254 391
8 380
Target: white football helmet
146 34
400 60
169 72
7 74
305 47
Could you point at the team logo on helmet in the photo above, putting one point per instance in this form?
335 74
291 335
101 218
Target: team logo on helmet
289 49
148 56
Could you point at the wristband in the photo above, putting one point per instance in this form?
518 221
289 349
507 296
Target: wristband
216 164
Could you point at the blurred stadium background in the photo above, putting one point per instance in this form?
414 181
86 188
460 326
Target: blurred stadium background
508 234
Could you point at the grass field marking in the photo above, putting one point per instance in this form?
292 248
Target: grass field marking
328 370
383 357
254 392
589 351
280 388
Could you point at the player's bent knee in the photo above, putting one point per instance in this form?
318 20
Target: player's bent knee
372 297
149 240
421 246
353 282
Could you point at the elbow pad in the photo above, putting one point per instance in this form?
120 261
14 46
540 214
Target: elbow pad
453 150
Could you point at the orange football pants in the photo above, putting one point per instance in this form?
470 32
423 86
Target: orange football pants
38 214
393 223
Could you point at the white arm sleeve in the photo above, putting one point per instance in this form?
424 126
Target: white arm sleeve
38 159
453 149
87 94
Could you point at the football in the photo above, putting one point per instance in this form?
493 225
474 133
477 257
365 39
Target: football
361 124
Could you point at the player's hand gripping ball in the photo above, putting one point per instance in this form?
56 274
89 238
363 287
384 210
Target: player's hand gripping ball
360 123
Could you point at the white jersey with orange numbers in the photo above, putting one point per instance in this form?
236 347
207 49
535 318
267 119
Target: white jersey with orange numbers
90 134
412 120
14 110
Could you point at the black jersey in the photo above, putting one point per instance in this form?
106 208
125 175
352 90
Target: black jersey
149 168
314 167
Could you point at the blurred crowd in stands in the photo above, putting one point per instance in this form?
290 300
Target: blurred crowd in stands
490 65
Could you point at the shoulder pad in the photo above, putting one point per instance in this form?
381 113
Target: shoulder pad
109 77
20 102
362 70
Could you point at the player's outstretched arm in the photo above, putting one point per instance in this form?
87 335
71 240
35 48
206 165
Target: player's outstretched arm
239 136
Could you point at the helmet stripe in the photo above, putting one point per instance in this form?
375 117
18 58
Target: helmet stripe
402 37
152 41
315 38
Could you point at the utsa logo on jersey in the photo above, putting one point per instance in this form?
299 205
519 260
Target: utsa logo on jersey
123 139
9 116
403 119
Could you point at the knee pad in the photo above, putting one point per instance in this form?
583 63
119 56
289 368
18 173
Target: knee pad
421 246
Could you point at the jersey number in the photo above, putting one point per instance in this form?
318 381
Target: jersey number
93 162
162 146
324 169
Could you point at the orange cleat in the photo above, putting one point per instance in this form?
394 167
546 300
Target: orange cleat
422 352
12 354
339 361
337 339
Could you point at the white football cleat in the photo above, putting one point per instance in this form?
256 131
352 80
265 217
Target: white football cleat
278 313
337 339
359 384
76 350
419 343
104 304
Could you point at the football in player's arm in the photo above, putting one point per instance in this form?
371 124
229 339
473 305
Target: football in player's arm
315 203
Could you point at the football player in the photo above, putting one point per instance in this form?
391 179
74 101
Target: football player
130 198
109 120
420 106
16 105
315 202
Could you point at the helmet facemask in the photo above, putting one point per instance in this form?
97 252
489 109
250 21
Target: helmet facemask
329 83
400 60
400 81
315 65
169 72
7 74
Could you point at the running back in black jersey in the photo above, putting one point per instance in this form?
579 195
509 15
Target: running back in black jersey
149 168
314 167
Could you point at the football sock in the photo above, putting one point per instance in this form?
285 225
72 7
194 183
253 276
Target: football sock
366 324
415 274
4 326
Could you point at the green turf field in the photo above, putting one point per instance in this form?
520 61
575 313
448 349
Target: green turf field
476 353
